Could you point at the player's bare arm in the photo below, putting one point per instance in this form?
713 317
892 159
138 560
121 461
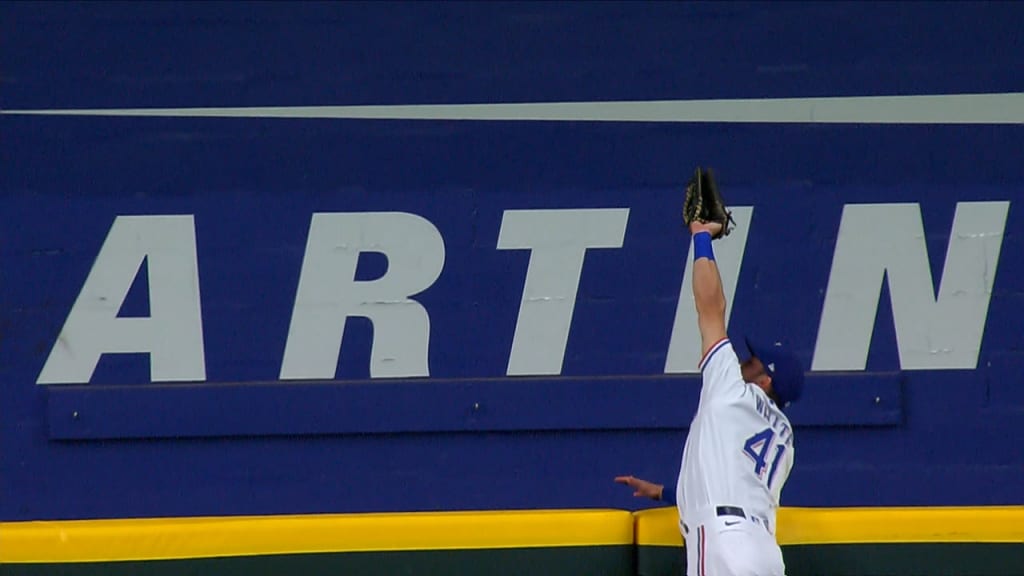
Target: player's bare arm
708 295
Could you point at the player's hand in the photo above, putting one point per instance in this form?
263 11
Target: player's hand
642 488
713 227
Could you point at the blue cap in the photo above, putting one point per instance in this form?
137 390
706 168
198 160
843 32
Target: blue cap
785 370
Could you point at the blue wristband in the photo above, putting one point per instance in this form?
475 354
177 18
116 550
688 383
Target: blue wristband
702 246
668 496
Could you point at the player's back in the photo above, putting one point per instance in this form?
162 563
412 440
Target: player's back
739 450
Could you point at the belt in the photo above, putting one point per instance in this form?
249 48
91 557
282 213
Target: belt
730 511
739 513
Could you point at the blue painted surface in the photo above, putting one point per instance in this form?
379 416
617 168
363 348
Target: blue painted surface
253 185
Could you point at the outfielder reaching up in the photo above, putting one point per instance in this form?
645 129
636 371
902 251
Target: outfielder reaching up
739 449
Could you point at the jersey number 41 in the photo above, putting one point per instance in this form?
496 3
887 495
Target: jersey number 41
758 447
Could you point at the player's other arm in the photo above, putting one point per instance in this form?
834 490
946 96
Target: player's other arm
643 488
707 286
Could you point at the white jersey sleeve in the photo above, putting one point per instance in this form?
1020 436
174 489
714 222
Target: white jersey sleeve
720 371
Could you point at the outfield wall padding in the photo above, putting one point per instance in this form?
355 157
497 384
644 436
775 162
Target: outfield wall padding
555 542
865 541
815 541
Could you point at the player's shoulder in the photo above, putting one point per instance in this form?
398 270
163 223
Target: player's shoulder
720 372
720 353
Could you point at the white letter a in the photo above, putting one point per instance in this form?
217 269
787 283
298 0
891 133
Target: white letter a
173 333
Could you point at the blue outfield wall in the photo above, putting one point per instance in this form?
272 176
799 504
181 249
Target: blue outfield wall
517 327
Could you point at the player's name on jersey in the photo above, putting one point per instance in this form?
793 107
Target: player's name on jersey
933 332
775 419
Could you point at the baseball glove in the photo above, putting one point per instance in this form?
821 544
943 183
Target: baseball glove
703 203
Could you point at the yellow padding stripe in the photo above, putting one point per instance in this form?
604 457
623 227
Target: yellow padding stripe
166 538
660 526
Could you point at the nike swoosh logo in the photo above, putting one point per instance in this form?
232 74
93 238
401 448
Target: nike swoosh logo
727 523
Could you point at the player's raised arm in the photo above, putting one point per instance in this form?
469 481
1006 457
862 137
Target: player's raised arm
707 217
707 285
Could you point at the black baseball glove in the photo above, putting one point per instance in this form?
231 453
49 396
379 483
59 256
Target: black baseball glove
703 203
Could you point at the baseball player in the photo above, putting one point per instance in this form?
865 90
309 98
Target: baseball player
739 450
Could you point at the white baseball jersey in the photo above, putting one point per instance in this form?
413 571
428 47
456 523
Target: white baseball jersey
739 449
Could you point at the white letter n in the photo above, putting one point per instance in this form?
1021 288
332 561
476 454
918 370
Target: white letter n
876 241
